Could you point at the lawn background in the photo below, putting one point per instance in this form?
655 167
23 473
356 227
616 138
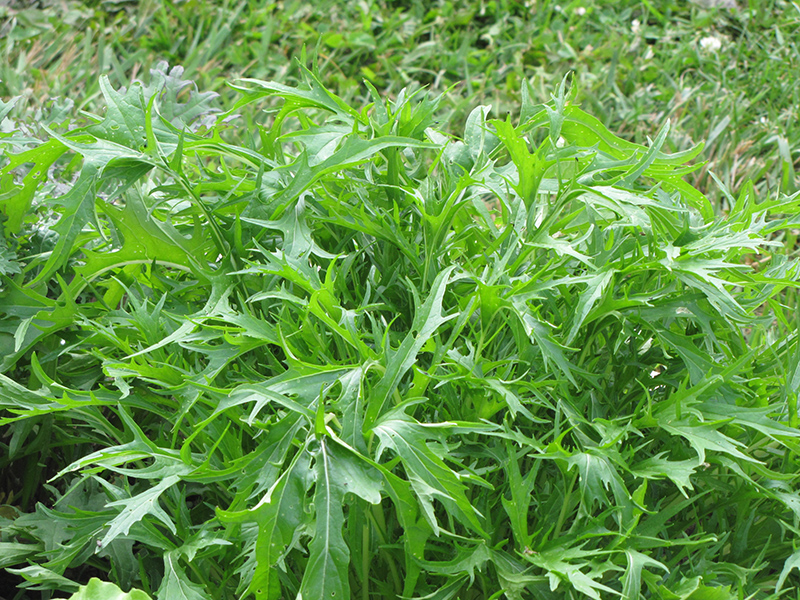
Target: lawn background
635 63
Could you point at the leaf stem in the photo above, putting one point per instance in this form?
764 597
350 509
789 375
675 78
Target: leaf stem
378 520
365 562
562 516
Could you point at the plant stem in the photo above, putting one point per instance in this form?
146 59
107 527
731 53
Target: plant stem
562 516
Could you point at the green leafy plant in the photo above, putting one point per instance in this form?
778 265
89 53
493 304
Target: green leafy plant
354 357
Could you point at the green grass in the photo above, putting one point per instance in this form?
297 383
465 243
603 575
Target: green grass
332 334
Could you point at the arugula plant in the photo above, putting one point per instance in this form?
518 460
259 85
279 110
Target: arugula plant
356 357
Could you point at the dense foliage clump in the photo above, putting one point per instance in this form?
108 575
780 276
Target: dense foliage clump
353 356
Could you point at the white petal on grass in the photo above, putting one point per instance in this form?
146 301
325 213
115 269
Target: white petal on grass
710 44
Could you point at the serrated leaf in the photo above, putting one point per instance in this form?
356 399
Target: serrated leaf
336 473
445 592
315 95
135 508
530 166
427 319
297 238
278 515
791 563
648 158
565 563
704 437
8 261
590 586
540 334
125 116
13 553
353 151
78 209
586 130
6 107
477 137
145 240
176 585
595 288
632 579
48 317
597 475
326 575
698 362
693 588
409 440
467 560
678 471
757 419
322 141
16 204
38 577
169 85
